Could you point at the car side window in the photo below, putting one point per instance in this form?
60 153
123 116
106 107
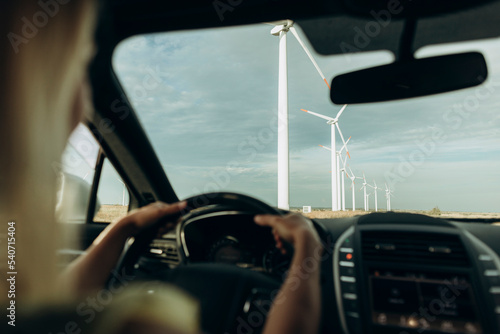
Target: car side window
81 167
112 196
75 175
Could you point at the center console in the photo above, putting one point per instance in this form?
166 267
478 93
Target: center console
415 279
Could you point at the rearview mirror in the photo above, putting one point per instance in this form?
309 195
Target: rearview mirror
410 78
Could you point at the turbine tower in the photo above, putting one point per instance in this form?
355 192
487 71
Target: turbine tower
368 202
281 28
123 191
388 194
333 122
352 177
363 187
340 172
375 189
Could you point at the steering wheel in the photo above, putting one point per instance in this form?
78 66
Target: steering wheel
232 299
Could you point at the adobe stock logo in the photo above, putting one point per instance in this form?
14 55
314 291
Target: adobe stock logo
31 26
364 35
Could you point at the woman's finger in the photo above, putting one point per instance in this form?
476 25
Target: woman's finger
154 212
151 213
267 220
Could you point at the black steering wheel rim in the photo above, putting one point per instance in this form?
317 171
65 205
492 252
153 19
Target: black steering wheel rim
235 201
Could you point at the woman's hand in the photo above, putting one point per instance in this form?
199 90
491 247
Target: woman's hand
148 215
297 307
139 219
91 270
292 228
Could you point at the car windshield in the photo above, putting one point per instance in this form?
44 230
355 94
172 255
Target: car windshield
208 100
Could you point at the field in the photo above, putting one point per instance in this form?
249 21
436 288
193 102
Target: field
433 213
110 213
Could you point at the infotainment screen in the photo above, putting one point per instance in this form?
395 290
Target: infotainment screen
422 301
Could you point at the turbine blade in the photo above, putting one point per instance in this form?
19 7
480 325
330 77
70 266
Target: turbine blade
318 115
326 148
306 50
343 140
341 111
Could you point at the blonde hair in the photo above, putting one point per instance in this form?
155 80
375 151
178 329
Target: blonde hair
42 75
163 307
42 66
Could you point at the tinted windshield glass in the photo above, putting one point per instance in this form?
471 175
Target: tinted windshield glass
208 100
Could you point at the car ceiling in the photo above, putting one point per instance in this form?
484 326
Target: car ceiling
328 24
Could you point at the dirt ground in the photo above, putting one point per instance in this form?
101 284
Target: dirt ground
110 213
441 214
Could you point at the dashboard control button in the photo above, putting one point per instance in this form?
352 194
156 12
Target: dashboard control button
346 250
348 279
491 273
346 264
352 314
495 290
350 296
485 257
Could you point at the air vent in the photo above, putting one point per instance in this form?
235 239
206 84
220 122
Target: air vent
165 250
429 248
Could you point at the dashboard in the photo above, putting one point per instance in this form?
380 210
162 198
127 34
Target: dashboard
233 238
387 273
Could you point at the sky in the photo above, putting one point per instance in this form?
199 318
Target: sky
208 102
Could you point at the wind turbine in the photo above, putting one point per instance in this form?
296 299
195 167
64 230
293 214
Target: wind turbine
333 122
375 189
365 197
340 172
123 191
388 194
281 28
368 201
352 177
